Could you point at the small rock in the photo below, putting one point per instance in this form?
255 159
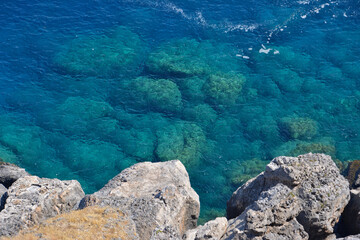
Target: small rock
212 230
32 199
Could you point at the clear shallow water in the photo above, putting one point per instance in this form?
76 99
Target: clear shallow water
90 88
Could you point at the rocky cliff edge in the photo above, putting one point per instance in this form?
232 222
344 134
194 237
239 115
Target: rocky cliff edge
302 197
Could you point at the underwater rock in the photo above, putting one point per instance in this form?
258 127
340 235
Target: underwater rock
159 94
32 199
95 158
189 57
351 69
180 58
192 88
348 104
287 80
213 229
7 155
311 183
330 74
138 143
184 141
202 114
295 148
240 172
298 128
109 55
9 173
75 114
224 88
315 147
264 128
157 196
27 142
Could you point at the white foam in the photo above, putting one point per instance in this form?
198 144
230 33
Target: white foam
305 2
264 49
243 27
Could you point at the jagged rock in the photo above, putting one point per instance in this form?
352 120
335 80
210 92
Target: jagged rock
157 196
9 173
320 195
212 230
32 199
3 196
272 216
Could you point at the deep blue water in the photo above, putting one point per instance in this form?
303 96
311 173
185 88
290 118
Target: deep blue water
89 88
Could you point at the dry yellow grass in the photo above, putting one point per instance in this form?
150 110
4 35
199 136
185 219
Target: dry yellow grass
87 224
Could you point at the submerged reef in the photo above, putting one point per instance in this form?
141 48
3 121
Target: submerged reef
185 141
298 128
182 58
188 57
224 88
112 54
241 172
158 94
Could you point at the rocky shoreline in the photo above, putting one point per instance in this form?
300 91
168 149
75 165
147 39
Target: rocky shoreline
302 197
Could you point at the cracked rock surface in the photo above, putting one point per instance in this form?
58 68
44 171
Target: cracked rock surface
31 199
295 198
157 196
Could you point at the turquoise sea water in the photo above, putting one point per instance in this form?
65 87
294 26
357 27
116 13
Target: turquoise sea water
89 88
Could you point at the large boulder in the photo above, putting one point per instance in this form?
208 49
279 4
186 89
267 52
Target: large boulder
9 173
157 196
302 196
32 199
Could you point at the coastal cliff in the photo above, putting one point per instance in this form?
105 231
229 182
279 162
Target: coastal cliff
302 197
